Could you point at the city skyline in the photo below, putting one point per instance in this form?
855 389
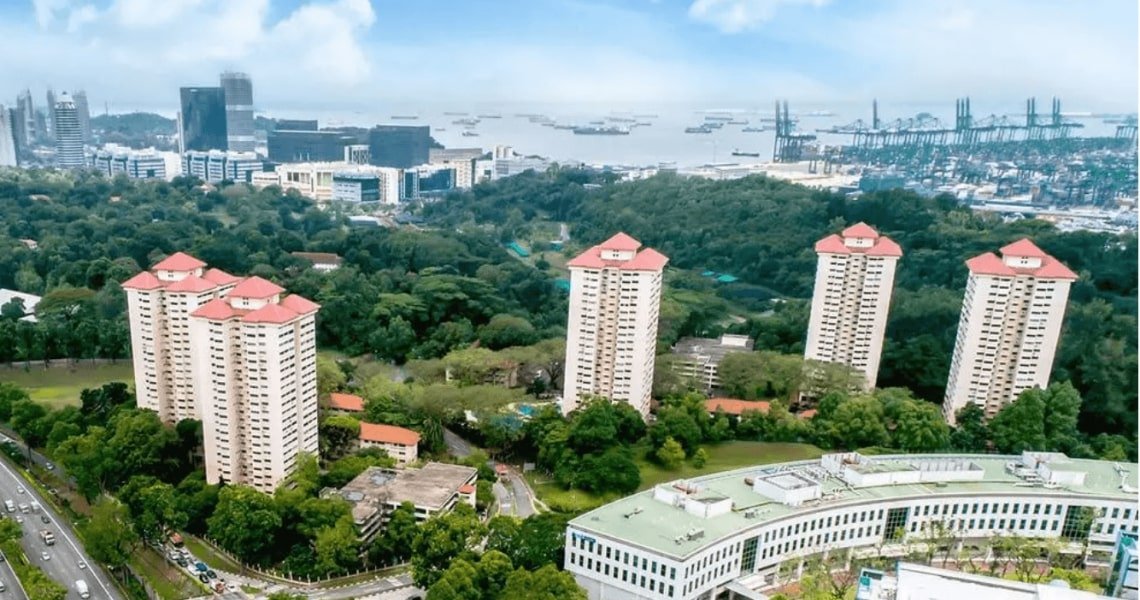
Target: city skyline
134 54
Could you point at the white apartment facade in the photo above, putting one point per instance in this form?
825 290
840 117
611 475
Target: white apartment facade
232 353
853 282
400 443
738 531
1009 327
611 333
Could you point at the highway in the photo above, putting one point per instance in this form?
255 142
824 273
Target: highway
66 555
11 585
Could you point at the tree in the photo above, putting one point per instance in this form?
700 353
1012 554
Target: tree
856 423
442 539
547 583
971 434
9 530
108 534
1062 409
245 523
336 547
394 545
700 457
339 435
330 377
10 396
1020 425
492 572
919 427
503 331
153 507
670 454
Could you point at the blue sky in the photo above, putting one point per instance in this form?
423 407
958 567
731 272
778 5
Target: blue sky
352 54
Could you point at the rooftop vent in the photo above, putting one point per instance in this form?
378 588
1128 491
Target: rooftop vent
636 511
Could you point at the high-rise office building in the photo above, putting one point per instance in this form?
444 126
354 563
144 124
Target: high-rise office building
235 353
19 132
203 119
83 111
1009 327
7 139
238 91
399 146
49 133
854 277
308 146
68 137
27 117
611 333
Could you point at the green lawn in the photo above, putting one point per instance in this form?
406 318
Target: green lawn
60 386
722 457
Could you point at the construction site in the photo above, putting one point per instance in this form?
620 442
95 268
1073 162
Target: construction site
1034 157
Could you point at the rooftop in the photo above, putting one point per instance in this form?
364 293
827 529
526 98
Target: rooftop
347 402
179 261
732 406
712 348
1043 265
430 487
388 434
647 259
642 520
256 287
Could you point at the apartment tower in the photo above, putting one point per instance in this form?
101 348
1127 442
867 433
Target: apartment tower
1009 327
235 353
68 135
611 333
853 281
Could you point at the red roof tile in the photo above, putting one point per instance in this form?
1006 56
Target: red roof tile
1023 247
143 281
388 434
347 402
807 414
270 313
467 488
256 287
646 260
989 264
832 244
216 310
736 407
1052 268
620 241
885 246
590 259
179 261
220 277
860 230
299 305
191 284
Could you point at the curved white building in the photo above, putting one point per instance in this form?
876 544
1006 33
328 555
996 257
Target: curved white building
729 533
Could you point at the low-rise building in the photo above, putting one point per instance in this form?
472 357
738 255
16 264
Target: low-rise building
400 443
322 261
433 489
912 581
734 407
345 403
135 164
460 159
341 181
215 166
697 359
28 301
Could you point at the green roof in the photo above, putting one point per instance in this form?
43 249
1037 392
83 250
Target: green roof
644 521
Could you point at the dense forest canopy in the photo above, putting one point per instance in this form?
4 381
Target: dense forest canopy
763 232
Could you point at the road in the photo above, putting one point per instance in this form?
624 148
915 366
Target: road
12 585
66 555
456 445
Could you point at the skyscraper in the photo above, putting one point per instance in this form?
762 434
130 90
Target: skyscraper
68 137
28 117
304 146
19 132
611 332
50 131
854 278
399 146
203 119
235 353
84 113
1009 327
238 91
7 139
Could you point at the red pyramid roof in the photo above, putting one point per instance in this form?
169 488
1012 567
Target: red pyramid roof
860 230
590 259
1052 268
388 434
989 264
270 313
832 244
220 277
620 241
192 284
1023 247
256 287
885 246
179 261
216 310
646 260
299 305
143 281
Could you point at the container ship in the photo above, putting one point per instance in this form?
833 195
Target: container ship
700 129
404 117
601 131
739 153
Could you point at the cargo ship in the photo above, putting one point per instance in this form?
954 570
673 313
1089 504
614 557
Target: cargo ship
404 117
752 129
455 114
700 129
601 131
470 134
737 122
490 116
468 122
739 153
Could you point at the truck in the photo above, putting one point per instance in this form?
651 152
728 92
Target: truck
81 587
48 537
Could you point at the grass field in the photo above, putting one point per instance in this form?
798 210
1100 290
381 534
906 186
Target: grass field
59 386
722 457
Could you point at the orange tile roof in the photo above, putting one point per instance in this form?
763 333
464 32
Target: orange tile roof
1052 268
388 434
991 264
143 281
807 414
192 284
220 277
885 246
590 259
270 313
348 402
467 488
299 305
620 241
736 407
217 310
832 244
646 260
179 261
256 287
861 230
1023 247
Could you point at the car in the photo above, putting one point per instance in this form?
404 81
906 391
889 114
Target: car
49 466
45 519
202 577
211 574
19 519
44 555
20 489
3 587
182 562
82 565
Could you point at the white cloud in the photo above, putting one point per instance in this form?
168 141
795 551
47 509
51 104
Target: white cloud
735 16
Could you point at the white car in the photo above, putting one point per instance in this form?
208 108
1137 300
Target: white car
19 489
82 565
44 555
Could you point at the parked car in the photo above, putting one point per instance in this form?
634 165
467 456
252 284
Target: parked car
201 566
202 577
182 562
45 519
44 555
